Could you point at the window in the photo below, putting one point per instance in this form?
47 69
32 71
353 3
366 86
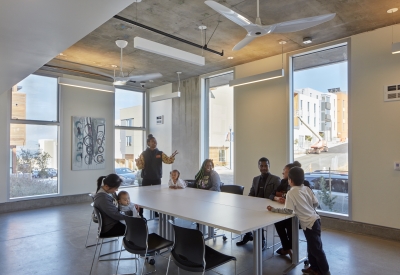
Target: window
34 132
129 134
325 169
308 106
222 155
301 105
218 129
315 108
128 141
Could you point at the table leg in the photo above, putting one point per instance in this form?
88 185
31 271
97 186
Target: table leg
295 246
257 251
160 225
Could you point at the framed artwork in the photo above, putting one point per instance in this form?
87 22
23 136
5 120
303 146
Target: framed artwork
88 143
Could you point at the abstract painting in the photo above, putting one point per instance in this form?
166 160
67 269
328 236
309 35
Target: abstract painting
88 143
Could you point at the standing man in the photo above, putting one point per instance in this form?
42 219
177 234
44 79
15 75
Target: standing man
263 187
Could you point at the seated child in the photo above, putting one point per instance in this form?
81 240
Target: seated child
125 205
302 201
175 182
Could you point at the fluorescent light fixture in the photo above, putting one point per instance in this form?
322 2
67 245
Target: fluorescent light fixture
161 49
256 78
85 85
307 40
396 48
166 96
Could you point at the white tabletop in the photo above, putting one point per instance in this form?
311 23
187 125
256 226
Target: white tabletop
235 213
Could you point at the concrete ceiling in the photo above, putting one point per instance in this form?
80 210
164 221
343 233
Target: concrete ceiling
182 18
33 32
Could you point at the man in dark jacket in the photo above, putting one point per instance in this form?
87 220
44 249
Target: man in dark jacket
263 187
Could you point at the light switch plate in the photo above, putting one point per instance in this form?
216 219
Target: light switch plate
397 165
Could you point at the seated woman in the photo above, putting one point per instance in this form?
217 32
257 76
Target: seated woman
207 178
284 228
175 182
106 201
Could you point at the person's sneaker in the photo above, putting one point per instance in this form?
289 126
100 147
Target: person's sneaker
309 271
245 240
279 251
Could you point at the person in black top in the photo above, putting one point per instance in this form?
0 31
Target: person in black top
150 161
263 187
284 228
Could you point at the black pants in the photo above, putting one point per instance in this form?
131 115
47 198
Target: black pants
284 230
316 254
117 230
147 182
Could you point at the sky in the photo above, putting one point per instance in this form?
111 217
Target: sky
322 78
125 99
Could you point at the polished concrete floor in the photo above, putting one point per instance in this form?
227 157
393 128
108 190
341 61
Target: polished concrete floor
52 241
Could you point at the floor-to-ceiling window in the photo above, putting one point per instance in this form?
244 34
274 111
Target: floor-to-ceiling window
320 133
129 134
34 132
219 125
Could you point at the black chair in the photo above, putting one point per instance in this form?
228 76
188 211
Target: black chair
102 237
191 254
137 239
191 183
93 219
233 189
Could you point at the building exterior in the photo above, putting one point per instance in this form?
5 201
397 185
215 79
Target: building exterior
129 143
221 126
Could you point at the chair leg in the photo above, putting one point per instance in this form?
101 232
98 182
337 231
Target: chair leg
94 256
169 259
235 267
87 237
100 248
119 258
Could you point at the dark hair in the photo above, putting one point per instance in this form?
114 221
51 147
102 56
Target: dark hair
176 170
112 180
200 174
296 163
263 159
296 175
150 137
122 193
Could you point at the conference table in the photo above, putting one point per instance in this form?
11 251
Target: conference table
230 212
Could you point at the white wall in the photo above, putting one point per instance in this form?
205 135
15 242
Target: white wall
374 129
261 113
162 132
84 102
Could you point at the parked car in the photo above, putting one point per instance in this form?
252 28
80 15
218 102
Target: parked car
127 175
35 173
339 181
51 172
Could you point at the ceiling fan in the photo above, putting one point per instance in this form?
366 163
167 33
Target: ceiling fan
257 30
120 79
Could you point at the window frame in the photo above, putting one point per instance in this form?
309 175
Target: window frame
132 128
312 49
57 123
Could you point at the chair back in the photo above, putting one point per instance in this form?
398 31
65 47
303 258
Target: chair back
233 189
191 183
97 214
189 245
136 231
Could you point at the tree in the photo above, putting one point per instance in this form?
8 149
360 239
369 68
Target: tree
42 159
326 195
26 159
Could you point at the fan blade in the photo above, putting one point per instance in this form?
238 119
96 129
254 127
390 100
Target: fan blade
228 13
301 24
244 42
143 77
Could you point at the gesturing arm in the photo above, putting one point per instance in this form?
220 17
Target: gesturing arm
168 160
140 162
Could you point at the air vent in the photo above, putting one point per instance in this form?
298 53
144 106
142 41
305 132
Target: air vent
391 92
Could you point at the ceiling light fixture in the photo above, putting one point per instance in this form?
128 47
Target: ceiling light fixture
161 49
260 77
307 40
230 57
395 46
85 85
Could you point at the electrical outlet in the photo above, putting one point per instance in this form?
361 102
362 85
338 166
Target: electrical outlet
397 165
